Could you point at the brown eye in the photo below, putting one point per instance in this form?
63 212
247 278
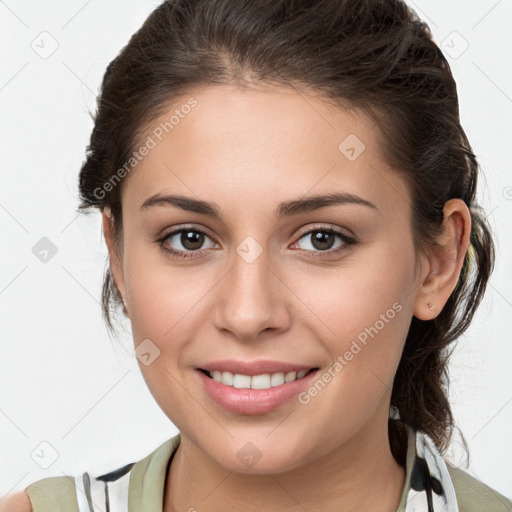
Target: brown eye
324 239
184 242
191 240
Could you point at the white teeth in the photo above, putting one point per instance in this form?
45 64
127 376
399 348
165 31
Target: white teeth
276 379
241 381
258 381
263 381
227 378
290 376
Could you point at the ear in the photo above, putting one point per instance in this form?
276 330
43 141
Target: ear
116 265
444 261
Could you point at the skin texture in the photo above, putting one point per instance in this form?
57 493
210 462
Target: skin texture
246 151
16 502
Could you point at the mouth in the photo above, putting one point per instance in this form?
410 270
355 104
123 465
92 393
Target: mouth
258 393
260 381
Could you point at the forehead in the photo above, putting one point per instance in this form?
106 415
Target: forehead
254 144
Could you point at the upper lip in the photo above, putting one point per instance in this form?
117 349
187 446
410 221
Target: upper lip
255 367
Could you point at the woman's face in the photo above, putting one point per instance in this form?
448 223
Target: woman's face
271 279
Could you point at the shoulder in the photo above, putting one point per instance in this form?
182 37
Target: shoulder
52 493
64 493
474 495
16 502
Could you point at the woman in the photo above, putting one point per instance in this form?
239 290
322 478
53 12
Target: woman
288 201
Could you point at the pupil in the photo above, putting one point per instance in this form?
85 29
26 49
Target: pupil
323 239
191 240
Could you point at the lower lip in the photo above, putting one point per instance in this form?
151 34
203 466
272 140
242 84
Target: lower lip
253 401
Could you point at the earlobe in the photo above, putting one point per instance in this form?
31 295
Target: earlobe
445 261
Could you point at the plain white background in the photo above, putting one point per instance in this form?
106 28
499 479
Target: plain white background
70 400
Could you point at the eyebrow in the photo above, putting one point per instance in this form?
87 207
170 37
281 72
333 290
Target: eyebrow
285 209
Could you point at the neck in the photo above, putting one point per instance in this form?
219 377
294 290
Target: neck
361 475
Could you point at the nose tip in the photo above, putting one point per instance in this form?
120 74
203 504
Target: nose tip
249 300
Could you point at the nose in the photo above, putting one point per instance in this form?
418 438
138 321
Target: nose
252 300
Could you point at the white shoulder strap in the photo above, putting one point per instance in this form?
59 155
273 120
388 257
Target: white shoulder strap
433 489
102 495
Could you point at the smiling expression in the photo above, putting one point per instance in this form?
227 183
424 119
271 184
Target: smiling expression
262 271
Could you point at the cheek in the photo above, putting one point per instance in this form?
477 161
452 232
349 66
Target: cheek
363 311
351 298
356 300
164 297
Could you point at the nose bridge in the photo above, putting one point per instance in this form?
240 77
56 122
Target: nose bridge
249 300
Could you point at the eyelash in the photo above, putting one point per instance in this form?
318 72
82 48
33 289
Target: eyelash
319 254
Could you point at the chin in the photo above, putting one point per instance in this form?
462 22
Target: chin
253 458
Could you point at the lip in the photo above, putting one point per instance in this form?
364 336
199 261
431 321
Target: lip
253 401
252 368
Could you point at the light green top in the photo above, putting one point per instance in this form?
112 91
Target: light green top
148 476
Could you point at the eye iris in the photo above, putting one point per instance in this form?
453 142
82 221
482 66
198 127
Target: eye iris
192 238
324 238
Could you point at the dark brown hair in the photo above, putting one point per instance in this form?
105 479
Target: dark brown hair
376 55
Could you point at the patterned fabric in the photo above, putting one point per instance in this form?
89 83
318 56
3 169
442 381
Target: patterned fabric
431 488
428 486
106 493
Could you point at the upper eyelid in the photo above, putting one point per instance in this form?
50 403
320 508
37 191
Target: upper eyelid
185 228
325 227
